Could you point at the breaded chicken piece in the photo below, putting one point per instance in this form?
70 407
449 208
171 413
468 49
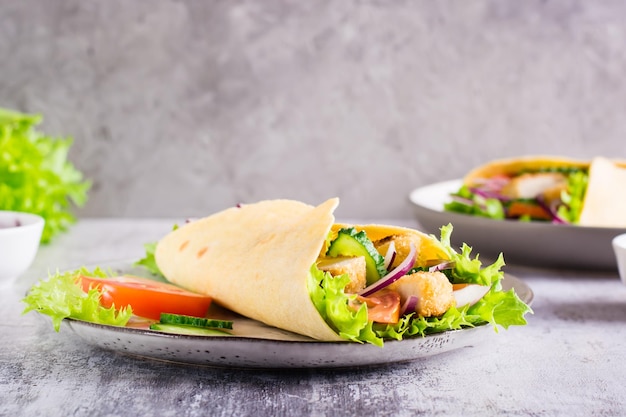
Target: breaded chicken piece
353 266
531 185
433 289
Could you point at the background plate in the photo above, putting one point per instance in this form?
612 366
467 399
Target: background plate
525 243
259 346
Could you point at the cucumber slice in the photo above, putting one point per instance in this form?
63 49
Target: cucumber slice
201 322
350 243
187 330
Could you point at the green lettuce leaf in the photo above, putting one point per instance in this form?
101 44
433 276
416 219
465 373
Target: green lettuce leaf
333 304
468 270
500 308
35 175
574 196
148 261
61 296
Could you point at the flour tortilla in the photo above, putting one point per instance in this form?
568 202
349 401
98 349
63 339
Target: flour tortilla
255 260
605 199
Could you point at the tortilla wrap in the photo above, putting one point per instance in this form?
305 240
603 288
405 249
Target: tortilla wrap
255 260
604 204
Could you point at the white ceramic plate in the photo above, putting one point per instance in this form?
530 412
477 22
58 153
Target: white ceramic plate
526 243
255 345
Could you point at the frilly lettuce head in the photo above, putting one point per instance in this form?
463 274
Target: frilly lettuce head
35 175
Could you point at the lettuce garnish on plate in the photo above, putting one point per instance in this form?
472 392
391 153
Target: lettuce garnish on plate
61 297
148 261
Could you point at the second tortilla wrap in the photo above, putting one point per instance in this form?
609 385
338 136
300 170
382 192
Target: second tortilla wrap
603 204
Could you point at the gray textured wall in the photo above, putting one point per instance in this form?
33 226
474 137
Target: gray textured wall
181 108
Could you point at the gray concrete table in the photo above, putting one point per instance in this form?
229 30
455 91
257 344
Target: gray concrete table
570 360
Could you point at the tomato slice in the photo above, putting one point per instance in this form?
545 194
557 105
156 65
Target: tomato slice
383 306
147 298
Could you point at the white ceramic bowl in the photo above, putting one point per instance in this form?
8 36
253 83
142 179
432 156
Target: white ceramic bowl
20 234
619 247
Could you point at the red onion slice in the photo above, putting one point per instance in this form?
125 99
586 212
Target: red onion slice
489 194
494 184
441 266
394 275
409 306
550 209
390 256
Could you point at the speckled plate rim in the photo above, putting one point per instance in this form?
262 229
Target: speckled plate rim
276 348
536 243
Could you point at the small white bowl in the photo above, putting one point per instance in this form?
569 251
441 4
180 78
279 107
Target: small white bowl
619 247
20 234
